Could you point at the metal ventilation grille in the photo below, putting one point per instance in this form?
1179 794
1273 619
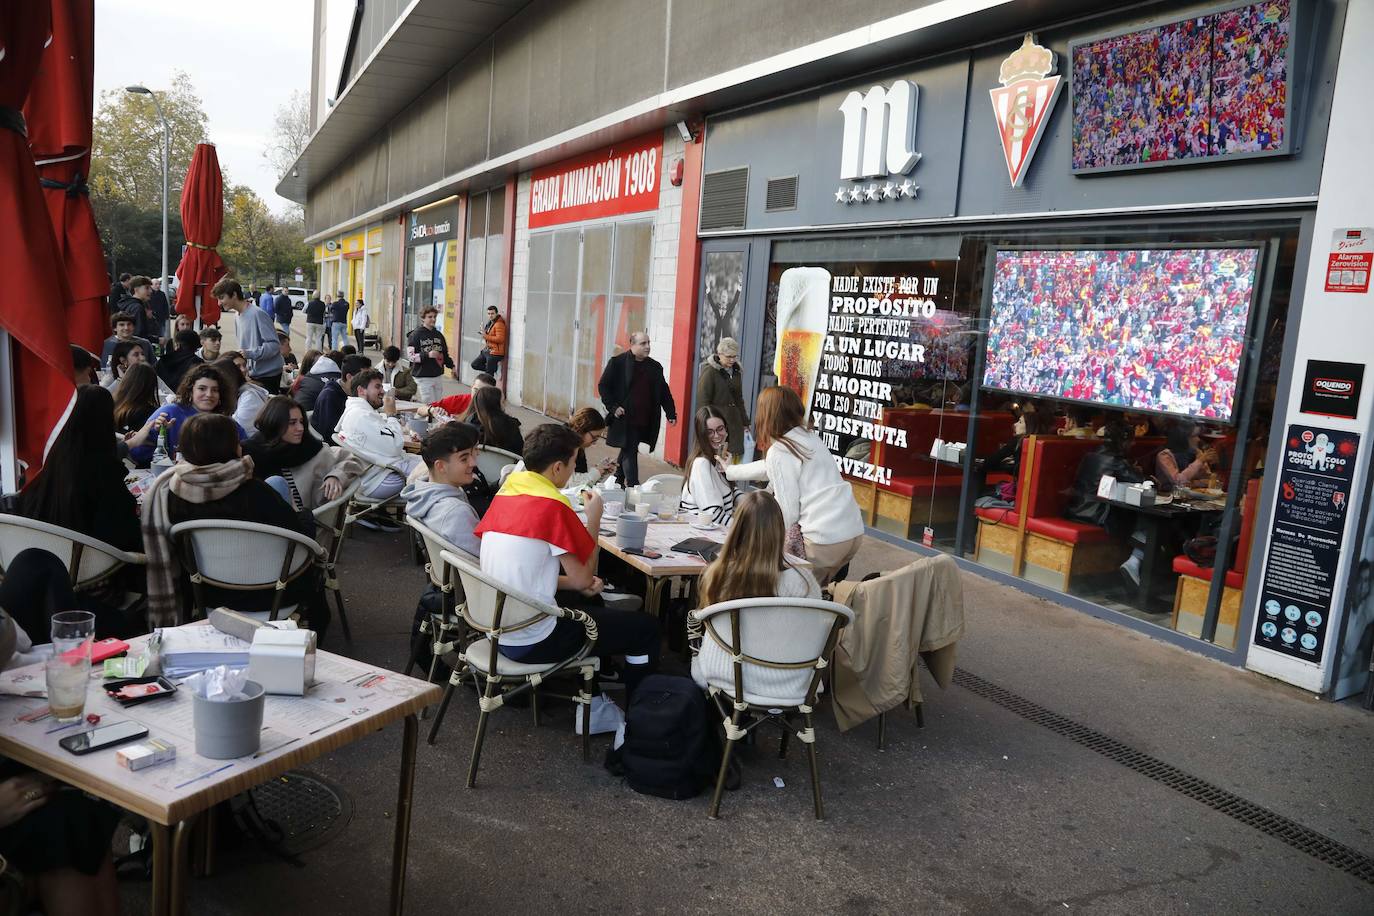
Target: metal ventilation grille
782 194
1290 832
724 199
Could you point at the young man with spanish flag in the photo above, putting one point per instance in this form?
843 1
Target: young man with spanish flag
533 541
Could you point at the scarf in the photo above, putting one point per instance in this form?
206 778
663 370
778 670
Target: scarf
195 484
529 505
273 458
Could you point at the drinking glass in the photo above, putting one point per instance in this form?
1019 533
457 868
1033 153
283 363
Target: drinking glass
69 669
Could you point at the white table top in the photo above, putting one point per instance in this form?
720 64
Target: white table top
350 699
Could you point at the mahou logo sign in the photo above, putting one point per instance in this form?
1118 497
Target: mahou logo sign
879 142
1023 104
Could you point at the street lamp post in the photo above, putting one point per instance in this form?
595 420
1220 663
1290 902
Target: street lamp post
166 156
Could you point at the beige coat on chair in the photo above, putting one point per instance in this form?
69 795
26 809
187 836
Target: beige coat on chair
911 613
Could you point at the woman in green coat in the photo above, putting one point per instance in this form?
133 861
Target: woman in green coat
719 386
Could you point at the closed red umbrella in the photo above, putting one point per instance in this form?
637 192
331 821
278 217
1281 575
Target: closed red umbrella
33 310
202 216
58 112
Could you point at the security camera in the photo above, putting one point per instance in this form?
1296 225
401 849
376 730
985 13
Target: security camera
686 132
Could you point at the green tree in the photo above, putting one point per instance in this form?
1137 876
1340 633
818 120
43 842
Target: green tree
126 173
249 239
289 248
126 148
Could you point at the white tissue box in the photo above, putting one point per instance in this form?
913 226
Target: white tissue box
1136 495
953 452
282 661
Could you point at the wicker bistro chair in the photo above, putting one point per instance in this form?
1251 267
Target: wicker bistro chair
91 563
491 610
330 526
446 628
761 659
493 461
244 556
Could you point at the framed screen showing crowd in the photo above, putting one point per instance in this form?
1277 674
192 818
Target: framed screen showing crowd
1158 329
1213 86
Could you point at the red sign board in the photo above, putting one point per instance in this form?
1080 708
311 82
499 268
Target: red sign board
1351 259
623 178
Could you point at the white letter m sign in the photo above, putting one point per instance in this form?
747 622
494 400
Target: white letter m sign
879 131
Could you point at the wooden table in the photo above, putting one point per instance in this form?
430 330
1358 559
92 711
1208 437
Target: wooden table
661 537
348 701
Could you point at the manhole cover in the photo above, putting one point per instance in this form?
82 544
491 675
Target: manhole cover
309 810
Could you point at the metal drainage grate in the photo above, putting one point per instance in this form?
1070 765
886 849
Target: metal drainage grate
1290 832
309 810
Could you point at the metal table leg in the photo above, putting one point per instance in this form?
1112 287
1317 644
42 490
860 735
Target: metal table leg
400 850
180 866
653 595
1147 563
162 859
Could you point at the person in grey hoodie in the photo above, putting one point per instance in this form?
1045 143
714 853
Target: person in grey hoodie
450 454
257 336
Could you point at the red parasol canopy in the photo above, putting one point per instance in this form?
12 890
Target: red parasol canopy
202 216
35 313
58 112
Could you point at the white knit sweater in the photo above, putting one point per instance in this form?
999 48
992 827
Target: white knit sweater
810 490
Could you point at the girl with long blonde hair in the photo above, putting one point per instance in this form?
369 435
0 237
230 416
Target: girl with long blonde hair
805 480
751 562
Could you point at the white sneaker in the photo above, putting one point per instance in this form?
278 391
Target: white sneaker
1131 569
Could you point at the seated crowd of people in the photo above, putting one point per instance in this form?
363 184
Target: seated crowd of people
240 451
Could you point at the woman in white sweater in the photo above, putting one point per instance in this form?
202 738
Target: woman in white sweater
706 490
805 481
751 564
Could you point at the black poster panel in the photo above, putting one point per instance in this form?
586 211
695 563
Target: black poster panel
1315 481
1332 389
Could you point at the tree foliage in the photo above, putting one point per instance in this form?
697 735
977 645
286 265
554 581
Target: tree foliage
126 149
126 188
290 132
258 245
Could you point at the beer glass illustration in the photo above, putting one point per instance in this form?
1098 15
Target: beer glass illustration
803 313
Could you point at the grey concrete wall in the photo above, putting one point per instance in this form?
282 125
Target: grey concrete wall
563 63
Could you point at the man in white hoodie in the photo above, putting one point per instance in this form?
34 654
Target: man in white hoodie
370 430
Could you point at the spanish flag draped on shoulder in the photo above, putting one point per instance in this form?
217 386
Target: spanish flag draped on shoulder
530 506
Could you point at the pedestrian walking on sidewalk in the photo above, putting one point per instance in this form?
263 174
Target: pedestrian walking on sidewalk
314 322
283 310
338 322
427 350
635 392
360 322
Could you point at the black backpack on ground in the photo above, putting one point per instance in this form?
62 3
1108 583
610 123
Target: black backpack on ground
671 748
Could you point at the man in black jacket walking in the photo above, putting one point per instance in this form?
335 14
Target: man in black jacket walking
283 310
314 323
634 391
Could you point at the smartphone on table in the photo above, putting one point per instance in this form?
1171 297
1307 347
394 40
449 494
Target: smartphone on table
103 736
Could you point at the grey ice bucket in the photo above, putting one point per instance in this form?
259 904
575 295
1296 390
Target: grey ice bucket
630 530
229 728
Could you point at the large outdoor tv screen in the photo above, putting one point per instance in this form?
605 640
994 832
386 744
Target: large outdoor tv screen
1142 329
1187 91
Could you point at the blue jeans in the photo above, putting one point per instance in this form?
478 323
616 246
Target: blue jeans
338 334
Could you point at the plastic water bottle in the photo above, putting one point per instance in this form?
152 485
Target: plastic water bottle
162 458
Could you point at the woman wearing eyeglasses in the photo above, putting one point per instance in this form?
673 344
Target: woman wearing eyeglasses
706 490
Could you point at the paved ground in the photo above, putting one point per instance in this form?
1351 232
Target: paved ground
979 812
